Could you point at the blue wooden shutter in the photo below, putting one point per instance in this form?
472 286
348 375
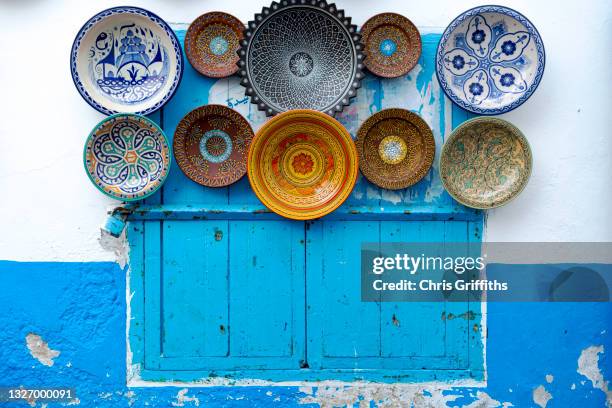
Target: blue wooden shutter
215 291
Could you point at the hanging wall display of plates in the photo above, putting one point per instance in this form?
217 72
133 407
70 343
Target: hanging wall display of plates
485 163
126 59
212 42
302 164
392 45
211 145
490 60
300 54
396 148
127 157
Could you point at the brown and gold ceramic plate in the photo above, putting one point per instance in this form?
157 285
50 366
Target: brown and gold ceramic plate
396 148
302 164
212 43
211 145
392 45
485 163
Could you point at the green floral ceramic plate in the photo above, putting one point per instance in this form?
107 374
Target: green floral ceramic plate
127 157
485 163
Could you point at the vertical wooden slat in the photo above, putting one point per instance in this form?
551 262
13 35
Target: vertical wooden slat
267 289
477 327
349 327
152 293
412 328
457 327
135 236
195 292
315 311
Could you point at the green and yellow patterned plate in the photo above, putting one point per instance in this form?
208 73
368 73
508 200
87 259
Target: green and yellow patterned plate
127 157
485 163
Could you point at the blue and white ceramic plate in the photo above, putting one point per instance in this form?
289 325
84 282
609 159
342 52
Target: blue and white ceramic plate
127 60
490 60
127 157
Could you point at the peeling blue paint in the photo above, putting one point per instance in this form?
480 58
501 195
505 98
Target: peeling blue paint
80 309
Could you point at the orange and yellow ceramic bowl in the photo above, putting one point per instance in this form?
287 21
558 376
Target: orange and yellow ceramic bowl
302 164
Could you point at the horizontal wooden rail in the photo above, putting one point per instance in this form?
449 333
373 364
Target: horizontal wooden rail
259 212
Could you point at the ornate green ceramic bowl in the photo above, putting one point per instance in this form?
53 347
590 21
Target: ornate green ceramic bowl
127 157
485 163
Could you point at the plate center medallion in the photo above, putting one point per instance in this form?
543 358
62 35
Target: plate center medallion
302 164
218 45
301 64
131 156
387 47
392 149
216 146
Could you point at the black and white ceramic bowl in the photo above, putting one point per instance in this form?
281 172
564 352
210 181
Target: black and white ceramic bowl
301 54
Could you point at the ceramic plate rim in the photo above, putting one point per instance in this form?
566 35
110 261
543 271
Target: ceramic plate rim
113 116
458 20
486 119
231 16
352 181
75 48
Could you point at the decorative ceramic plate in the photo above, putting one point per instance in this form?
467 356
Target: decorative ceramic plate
392 45
127 157
301 54
490 60
212 43
396 148
302 164
211 144
126 59
485 163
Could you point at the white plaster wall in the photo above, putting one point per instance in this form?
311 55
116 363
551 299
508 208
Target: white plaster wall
50 211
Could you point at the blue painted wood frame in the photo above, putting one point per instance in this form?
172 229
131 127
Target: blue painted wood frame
221 287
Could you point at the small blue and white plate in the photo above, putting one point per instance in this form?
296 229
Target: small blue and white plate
126 60
490 60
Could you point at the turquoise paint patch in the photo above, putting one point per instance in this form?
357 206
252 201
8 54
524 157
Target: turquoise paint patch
427 61
377 91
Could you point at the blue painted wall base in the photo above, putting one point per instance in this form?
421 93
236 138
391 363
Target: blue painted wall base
79 309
